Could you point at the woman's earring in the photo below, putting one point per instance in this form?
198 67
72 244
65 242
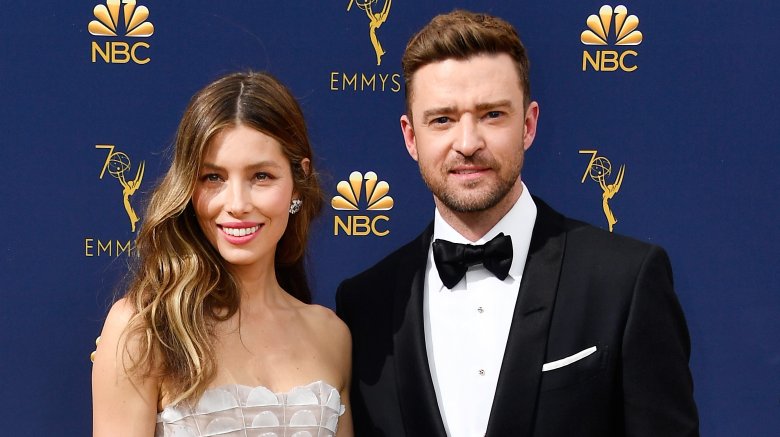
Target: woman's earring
295 206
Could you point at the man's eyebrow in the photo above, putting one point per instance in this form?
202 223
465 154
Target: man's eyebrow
492 105
505 103
438 111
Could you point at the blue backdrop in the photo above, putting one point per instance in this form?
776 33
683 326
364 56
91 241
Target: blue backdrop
690 113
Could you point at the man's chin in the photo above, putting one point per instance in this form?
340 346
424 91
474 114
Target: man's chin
472 202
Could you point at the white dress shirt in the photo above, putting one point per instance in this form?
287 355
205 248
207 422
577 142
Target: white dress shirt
466 328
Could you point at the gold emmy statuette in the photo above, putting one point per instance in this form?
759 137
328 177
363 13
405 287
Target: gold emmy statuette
375 21
118 163
598 169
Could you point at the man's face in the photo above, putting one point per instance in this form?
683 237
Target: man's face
468 131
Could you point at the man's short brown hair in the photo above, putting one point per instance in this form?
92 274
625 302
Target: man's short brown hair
460 35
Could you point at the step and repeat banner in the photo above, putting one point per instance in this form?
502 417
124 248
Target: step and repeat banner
659 120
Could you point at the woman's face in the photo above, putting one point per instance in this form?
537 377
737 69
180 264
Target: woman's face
242 196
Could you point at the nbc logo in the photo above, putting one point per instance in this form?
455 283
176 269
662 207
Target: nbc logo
348 199
107 24
624 33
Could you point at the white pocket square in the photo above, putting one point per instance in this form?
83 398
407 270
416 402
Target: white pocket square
557 364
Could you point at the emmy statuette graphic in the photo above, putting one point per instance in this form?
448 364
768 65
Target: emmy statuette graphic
375 21
598 169
118 163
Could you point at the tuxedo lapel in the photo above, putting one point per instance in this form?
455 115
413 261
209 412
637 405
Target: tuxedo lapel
418 397
514 404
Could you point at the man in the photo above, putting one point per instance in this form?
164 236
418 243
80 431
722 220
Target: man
561 329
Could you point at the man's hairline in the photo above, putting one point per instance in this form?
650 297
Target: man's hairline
410 93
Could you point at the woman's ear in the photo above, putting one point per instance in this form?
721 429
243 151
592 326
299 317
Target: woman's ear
306 166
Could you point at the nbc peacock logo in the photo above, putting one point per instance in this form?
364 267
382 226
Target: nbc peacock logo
614 26
374 195
134 24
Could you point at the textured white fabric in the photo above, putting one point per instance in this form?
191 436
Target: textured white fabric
466 328
234 410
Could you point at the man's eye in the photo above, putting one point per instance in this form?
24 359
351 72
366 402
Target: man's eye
493 114
440 120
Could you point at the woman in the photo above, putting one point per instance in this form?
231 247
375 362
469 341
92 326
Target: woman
216 334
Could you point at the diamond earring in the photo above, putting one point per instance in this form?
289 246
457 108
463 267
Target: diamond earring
295 206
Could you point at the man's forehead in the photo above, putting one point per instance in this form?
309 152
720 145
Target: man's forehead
473 81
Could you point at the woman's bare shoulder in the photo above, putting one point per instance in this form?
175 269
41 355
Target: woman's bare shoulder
334 338
121 400
119 315
326 319
329 330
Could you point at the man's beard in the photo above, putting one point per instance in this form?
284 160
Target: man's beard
459 200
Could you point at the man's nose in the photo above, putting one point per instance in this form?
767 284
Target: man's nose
469 136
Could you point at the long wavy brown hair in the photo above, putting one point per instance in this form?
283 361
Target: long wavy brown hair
181 287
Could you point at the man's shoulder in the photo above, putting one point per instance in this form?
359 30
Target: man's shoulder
605 241
597 242
369 294
411 255
580 230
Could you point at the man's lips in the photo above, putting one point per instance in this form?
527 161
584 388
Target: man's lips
468 170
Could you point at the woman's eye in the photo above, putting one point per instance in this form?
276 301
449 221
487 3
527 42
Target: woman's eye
211 177
262 176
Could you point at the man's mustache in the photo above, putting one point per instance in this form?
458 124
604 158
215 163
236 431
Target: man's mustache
476 160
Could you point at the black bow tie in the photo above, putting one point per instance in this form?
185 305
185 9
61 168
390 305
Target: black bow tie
453 259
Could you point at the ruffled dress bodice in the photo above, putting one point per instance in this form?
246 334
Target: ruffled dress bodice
234 410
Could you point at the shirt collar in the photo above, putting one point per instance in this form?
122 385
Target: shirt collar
518 222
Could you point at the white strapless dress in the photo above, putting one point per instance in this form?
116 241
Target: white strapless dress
311 410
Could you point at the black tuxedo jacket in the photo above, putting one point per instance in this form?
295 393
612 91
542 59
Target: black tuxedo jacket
581 287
